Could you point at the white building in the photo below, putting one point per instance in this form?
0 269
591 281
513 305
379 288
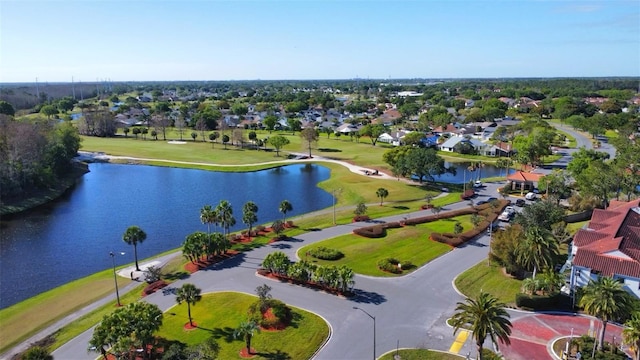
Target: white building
609 246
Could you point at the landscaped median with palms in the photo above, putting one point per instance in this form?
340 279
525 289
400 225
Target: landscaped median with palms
300 340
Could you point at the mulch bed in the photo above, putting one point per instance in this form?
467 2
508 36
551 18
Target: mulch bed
309 284
244 354
204 263
190 327
268 315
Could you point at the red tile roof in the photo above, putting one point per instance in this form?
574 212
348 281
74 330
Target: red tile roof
611 244
524 176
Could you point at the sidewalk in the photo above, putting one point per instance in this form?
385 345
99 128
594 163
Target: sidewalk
125 272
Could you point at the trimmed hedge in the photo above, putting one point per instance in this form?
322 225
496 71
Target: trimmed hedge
458 239
326 253
359 218
538 302
376 231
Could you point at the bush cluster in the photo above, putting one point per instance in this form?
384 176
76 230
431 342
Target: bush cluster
455 240
538 302
359 218
391 265
153 287
281 312
324 253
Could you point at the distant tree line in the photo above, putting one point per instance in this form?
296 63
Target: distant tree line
34 155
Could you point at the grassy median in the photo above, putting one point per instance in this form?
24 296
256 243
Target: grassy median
299 340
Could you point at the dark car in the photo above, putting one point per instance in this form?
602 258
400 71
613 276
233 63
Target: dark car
491 199
520 202
482 202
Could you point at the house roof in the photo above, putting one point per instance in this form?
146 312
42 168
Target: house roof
506 147
611 243
522 176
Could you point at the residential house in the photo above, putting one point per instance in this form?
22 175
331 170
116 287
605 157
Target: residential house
609 246
394 138
524 181
502 149
454 142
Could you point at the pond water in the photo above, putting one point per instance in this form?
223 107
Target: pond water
72 237
463 173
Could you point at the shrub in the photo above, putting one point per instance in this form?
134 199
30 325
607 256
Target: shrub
359 218
467 194
151 288
324 253
538 302
389 265
260 228
376 231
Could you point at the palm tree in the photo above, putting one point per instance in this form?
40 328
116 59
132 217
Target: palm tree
382 193
245 330
631 334
208 216
225 216
537 250
249 215
284 208
605 299
190 294
134 236
484 316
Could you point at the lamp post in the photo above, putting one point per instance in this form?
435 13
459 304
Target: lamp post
374 329
334 204
115 278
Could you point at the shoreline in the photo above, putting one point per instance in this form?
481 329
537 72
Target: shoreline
42 197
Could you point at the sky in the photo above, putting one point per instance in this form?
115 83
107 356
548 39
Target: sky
156 40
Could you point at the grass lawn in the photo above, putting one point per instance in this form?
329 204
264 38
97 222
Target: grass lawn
490 279
409 243
421 354
218 314
574 227
24 319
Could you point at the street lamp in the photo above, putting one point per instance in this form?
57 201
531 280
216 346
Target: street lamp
115 278
334 204
374 329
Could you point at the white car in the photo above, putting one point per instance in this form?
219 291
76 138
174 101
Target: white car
477 184
505 216
530 196
510 209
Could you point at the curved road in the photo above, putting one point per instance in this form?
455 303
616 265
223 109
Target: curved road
410 311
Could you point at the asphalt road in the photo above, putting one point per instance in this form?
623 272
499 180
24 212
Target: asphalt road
410 310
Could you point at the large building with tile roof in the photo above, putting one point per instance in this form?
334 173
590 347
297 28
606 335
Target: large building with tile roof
609 246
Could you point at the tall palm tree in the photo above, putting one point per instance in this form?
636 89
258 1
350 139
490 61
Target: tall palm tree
245 331
631 334
225 216
249 214
134 236
538 249
190 294
284 208
605 299
208 216
484 315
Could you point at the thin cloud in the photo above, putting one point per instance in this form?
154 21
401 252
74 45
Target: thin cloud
578 8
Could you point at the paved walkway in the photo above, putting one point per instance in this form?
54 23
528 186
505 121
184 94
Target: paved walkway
533 334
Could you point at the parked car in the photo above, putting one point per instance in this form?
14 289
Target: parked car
444 189
491 199
493 228
477 184
482 202
530 196
520 202
505 216
510 209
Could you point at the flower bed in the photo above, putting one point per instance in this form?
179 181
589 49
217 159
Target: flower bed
153 287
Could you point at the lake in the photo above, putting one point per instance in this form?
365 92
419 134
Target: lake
72 237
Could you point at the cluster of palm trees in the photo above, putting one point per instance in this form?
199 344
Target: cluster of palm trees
222 215
329 277
200 244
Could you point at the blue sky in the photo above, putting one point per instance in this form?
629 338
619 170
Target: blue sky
237 40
